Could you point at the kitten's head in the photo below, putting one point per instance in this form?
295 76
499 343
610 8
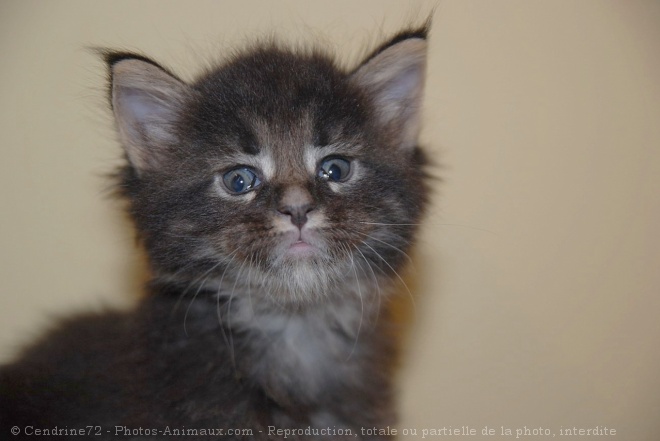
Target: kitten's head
278 171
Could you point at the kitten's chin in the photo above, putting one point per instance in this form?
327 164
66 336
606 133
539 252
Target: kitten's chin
302 279
300 269
301 250
300 244
304 272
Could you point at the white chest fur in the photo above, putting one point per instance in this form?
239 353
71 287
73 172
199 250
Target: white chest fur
307 352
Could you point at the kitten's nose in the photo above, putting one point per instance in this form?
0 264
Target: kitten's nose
296 202
297 213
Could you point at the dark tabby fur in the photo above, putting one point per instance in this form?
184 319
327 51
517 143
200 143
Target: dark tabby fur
276 196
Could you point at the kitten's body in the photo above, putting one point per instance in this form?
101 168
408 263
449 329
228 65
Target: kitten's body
282 373
276 197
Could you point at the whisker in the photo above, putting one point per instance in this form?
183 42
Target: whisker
217 300
357 335
190 285
396 273
388 224
183 268
468 227
375 281
389 245
249 290
199 288
439 224
231 296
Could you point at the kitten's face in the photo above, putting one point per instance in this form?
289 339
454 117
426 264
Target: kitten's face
277 173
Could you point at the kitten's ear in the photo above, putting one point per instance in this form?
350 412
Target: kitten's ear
146 102
394 76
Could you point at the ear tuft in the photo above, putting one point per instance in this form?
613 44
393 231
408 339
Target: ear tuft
147 102
394 77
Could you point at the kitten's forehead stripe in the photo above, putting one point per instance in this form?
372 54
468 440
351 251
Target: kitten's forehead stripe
248 141
283 147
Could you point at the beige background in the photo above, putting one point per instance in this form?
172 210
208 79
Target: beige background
538 277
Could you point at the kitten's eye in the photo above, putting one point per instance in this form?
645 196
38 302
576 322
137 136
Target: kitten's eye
334 169
241 180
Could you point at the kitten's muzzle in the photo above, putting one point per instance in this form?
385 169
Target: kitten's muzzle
296 202
297 213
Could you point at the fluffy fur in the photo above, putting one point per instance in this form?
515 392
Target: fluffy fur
268 305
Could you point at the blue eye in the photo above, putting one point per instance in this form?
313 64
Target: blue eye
241 180
334 169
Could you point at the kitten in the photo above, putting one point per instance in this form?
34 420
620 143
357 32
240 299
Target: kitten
276 196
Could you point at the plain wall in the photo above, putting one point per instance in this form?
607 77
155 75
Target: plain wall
537 278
